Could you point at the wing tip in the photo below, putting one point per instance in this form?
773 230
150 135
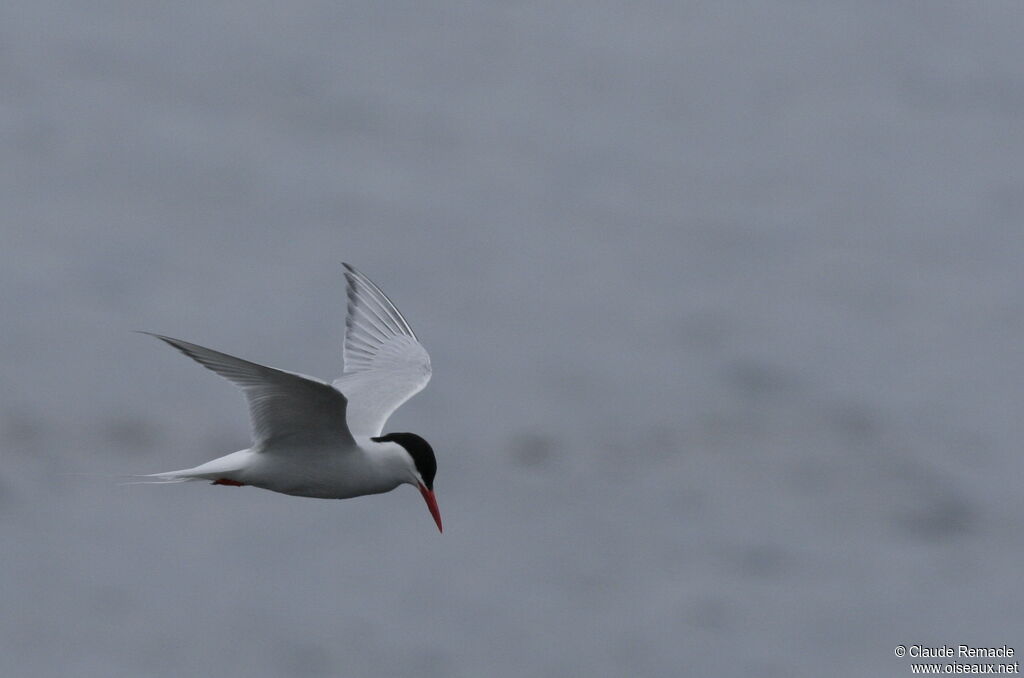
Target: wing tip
361 291
161 337
171 341
351 281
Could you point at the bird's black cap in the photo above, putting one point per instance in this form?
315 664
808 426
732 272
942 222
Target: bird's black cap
420 451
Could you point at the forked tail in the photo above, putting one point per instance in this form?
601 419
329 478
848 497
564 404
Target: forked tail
154 479
223 468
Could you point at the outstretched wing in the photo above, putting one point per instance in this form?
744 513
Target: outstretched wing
385 365
282 405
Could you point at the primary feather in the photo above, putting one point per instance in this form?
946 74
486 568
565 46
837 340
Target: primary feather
385 364
283 406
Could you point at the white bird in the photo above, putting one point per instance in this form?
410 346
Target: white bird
314 439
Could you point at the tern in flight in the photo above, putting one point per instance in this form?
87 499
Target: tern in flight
315 439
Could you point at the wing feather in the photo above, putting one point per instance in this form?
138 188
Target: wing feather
282 405
385 364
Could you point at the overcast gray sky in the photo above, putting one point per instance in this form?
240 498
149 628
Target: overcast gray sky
723 301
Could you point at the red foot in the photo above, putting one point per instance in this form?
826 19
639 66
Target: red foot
228 481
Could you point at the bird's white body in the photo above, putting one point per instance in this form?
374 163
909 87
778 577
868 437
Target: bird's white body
306 471
314 439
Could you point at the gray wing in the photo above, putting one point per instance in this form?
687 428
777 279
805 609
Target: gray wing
385 364
282 405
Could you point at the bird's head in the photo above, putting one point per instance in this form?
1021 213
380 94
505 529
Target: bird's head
422 467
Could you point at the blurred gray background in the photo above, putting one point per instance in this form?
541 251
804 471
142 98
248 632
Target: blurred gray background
724 303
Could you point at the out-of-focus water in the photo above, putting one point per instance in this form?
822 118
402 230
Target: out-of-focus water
724 304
